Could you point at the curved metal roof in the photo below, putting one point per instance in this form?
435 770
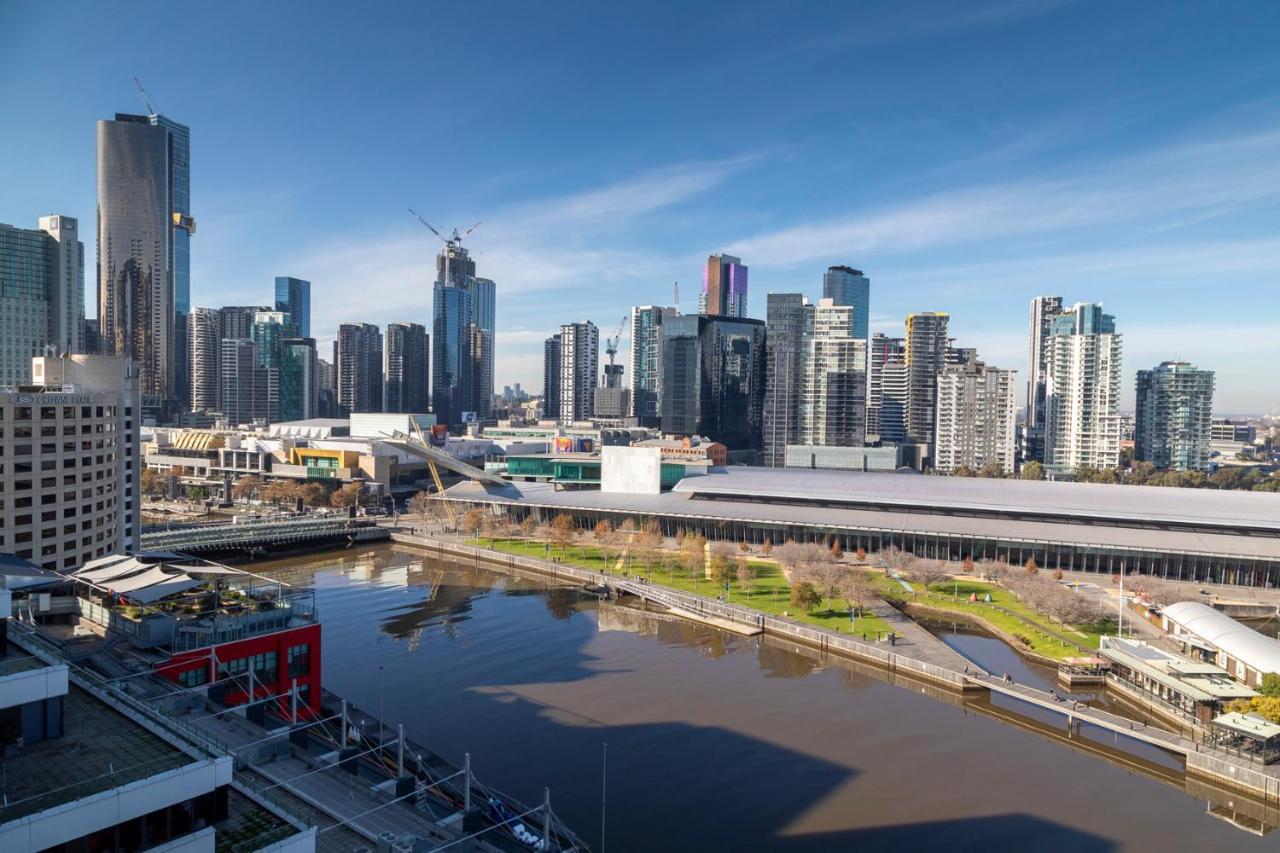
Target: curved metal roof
1141 505
1226 634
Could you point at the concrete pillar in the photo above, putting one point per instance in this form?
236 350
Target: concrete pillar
343 741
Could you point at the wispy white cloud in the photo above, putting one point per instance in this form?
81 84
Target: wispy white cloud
1157 189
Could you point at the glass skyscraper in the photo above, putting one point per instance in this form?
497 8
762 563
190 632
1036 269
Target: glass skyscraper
847 286
646 361
451 359
713 379
293 296
144 261
483 299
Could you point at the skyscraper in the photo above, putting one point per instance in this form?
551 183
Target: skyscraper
204 335
406 375
359 368
833 374
713 379
144 231
976 418
551 358
1043 310
785 324
66 284
579 367
1082 389
1174 416
249 391
483 300
926 351
299 379
41 294
452 361
293 297
724 287
886 367
236 321
847 286
646 361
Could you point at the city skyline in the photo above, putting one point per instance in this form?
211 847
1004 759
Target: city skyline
1138 182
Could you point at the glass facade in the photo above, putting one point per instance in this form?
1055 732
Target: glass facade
181 227
451 383
293 296
25 271
713 379
298 379
847 286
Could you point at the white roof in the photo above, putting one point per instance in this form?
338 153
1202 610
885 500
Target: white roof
1241 642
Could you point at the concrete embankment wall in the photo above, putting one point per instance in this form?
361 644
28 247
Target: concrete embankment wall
826 641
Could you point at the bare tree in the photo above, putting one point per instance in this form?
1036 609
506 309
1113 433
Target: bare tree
928 572
746 574
856 588
693 552
603 534
646 544
563 531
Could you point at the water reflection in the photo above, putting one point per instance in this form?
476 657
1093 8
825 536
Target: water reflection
723 742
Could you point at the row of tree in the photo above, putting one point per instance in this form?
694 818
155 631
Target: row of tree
1143 474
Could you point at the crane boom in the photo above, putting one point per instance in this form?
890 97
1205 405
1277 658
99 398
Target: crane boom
151 111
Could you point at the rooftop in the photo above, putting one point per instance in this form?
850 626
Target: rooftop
1202 682
1249 725
1143 505
1225 634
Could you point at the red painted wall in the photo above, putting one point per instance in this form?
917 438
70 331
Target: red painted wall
278 642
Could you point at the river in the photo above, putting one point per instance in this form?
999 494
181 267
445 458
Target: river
717 741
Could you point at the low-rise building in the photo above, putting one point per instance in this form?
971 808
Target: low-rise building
1184 689
1212 635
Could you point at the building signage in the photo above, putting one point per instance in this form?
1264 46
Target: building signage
50 399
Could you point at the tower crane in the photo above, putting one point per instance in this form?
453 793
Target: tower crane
151 111
454 239
611 343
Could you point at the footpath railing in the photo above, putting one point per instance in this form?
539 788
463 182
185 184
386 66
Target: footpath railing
827 641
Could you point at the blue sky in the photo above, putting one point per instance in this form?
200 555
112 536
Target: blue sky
967 156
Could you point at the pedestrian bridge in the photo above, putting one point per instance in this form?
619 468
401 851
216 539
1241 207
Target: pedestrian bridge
264 534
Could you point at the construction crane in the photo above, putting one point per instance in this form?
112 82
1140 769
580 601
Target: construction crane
611 343
453 240
151 111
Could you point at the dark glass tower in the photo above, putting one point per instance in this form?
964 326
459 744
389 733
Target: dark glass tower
144 258
293 296
713 379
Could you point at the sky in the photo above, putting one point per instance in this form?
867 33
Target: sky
966 156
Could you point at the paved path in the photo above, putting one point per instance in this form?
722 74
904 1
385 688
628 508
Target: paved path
916 642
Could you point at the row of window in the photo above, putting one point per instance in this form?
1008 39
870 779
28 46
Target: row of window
48 413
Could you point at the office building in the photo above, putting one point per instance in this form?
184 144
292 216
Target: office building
785 317
327 389
1043 310
646 361
551 358
236 321
41 294
833 377
1082 390
483 299
846 286
724 287
250 392
70 439
144 231
579 367
452 335
1174 416
205 339
886 359
926 350
358 360
976 418
293 297
406 374
713 379
299 383
269 330
92 341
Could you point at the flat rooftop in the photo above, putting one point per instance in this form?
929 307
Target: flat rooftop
1139 505
100 750
900 518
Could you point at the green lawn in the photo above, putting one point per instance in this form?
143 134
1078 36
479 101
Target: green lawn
768 591
1021 621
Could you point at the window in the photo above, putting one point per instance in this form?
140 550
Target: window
194 677
300 660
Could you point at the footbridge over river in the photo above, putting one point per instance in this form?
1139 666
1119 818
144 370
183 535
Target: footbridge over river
266 535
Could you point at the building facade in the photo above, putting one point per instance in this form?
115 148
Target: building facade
359 366
926 351
976 418
847 286
1173 425
406 373
41 294
646 361
713 379
579 367
452 335
72 461
1082 390
250 392
484 329
144 231
1043 310
724 287
886 421
833 376
551 358
299 370
293 297
785 316
204 336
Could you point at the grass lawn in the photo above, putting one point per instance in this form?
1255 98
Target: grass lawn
768 591
1042 632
